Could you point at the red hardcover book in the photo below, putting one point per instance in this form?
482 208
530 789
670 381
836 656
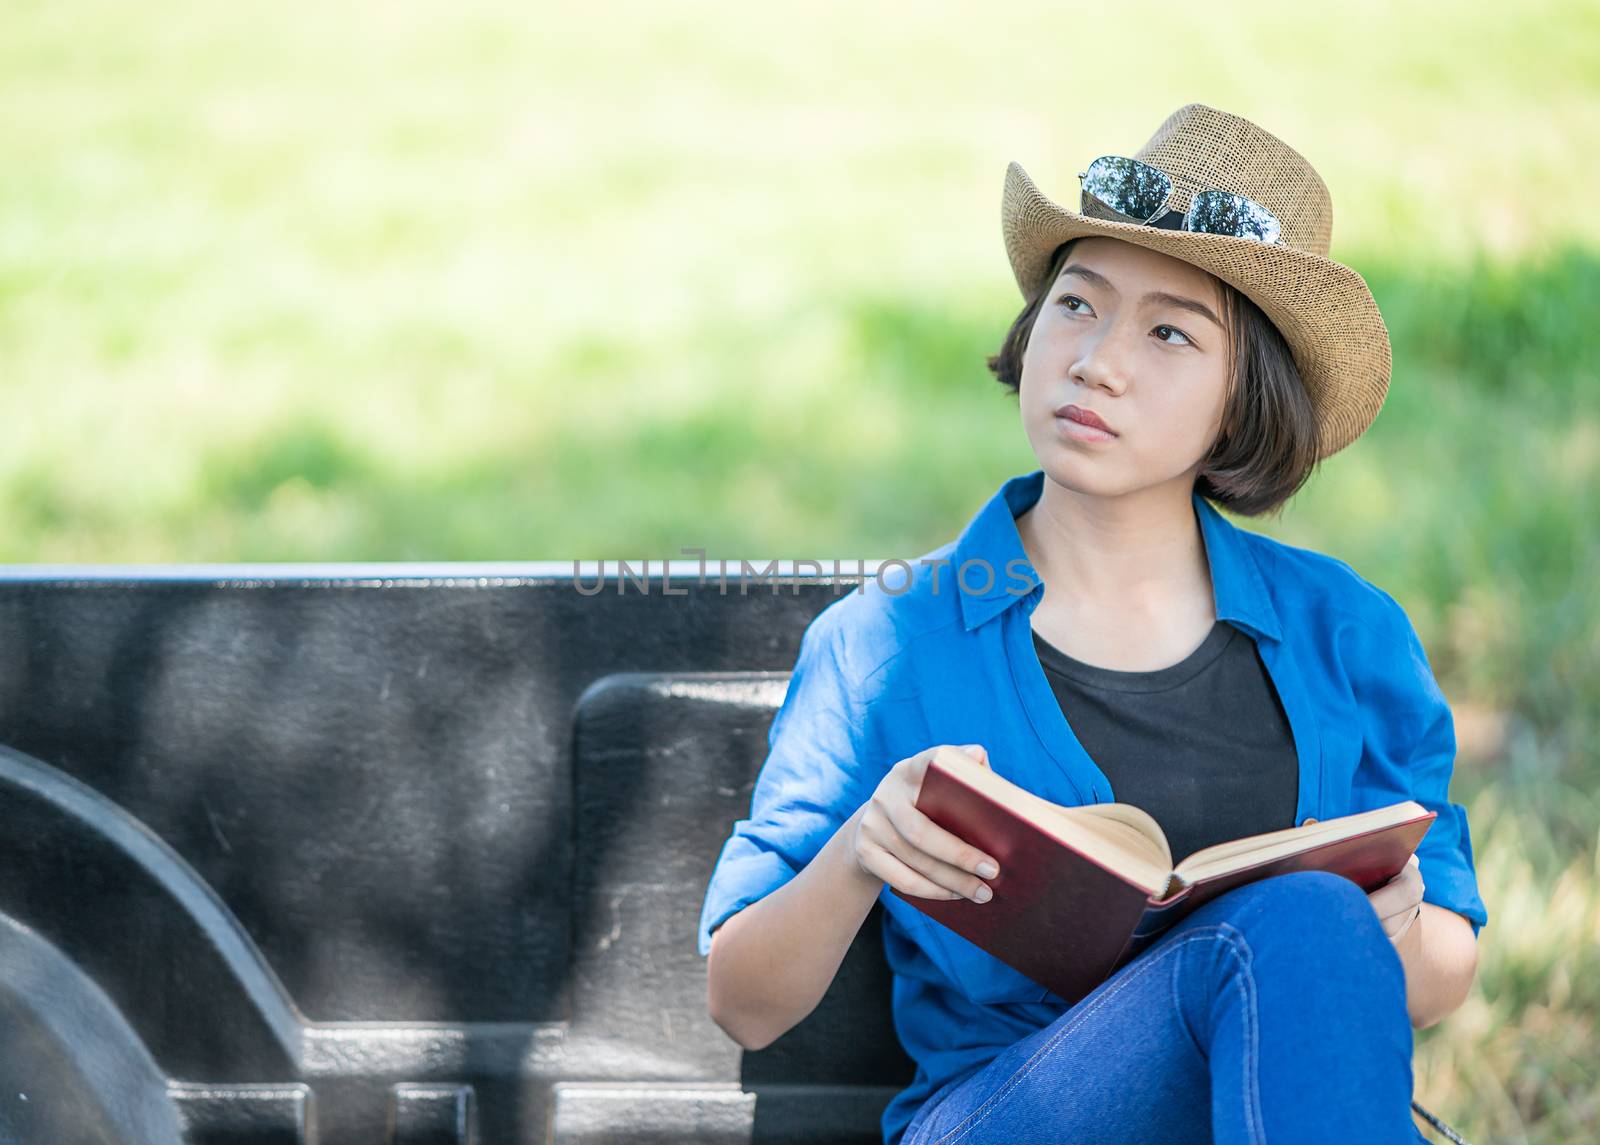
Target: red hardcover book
1083 890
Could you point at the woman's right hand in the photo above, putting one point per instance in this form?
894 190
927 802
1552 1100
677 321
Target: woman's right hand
898 844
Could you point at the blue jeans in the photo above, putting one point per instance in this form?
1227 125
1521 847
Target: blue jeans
1274 1013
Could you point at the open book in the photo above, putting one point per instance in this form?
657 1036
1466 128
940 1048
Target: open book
1083 890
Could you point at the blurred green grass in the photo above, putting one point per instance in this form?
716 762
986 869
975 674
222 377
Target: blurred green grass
362 282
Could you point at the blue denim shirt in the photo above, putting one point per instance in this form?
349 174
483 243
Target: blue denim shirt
913 658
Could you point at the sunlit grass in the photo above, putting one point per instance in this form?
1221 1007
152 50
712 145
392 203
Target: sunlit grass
1518 1061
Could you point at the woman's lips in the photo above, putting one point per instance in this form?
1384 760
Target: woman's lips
1084 416
1082 425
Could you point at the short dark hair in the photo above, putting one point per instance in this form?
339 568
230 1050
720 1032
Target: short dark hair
1268 446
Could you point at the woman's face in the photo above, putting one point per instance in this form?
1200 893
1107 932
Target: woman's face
1124 332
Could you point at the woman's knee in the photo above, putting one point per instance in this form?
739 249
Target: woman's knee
1303 937
1301 910
1305 947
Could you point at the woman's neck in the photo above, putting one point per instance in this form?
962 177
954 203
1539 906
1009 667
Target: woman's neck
1125 579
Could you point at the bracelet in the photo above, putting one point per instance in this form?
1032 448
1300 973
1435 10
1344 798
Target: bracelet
1416 914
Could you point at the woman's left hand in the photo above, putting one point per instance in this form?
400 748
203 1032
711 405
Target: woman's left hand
1399 901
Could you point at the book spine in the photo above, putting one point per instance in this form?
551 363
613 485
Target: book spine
1130 950
1157 919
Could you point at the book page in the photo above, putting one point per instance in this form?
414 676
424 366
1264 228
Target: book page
1223 858
1134 825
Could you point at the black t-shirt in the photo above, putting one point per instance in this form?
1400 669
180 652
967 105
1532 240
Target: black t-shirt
1202 745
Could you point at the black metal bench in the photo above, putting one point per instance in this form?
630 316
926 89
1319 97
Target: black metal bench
370 854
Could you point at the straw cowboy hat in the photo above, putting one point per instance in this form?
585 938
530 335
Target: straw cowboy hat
1323 309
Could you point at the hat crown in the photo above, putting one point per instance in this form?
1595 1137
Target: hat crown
1202 149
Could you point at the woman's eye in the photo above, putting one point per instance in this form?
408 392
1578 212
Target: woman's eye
1174 330
1068 298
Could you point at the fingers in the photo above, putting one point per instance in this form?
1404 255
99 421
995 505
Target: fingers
911 852
894 872
1394 901
921 843
931 839
887 856
1397 900
961 881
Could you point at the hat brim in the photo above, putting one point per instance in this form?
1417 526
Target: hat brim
1323 309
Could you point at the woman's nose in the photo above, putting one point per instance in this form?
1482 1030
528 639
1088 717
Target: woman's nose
1102 366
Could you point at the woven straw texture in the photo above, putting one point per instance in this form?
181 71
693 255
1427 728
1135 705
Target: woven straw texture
1323 309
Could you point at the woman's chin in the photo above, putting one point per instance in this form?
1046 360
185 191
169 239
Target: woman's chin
1090 476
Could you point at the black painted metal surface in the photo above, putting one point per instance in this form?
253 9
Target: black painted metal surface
373 854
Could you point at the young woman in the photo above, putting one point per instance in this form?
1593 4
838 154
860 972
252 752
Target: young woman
1100 631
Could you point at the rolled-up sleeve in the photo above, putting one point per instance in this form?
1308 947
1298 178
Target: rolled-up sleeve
1426 748
810 783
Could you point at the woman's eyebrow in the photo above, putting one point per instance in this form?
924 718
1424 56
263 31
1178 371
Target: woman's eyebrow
1180 302
1175 300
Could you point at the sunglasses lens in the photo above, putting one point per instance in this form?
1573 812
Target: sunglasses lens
1127 186
1219 213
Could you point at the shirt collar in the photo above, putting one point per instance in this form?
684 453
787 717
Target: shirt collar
991 537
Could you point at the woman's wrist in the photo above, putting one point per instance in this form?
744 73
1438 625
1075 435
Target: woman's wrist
845 838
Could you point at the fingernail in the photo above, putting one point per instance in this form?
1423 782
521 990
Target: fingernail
984 894
988 870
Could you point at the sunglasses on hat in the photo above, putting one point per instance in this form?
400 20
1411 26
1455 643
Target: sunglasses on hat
1136 192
